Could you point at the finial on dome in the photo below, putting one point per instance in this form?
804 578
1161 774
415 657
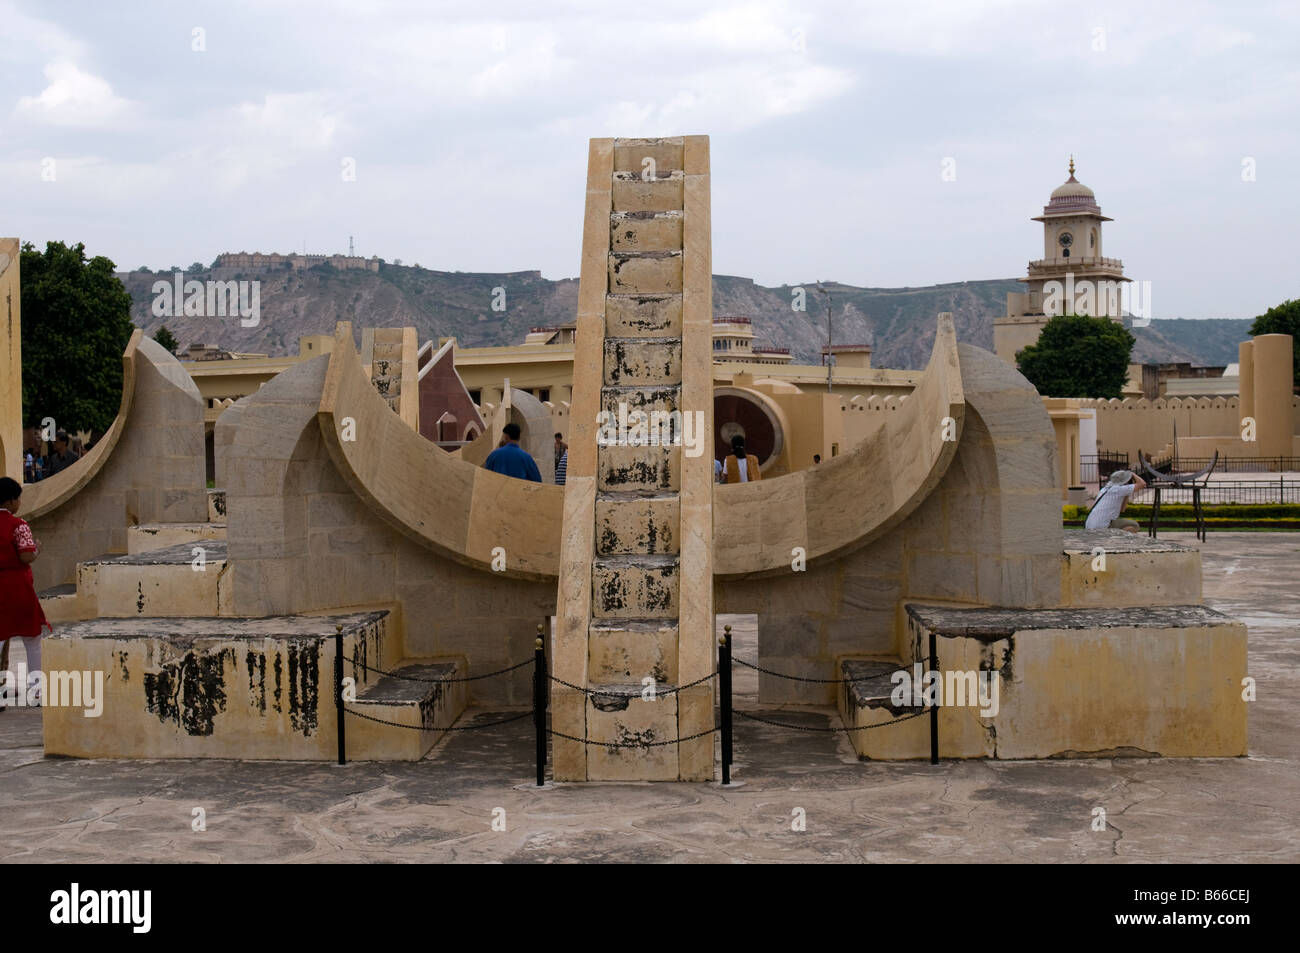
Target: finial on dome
1071 168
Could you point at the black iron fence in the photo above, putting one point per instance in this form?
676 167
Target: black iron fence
1238 464
1276 491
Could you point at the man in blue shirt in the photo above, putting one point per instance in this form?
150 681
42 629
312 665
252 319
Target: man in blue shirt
511 459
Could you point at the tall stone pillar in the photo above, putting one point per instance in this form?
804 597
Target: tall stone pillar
1273 358
635 597
1246 379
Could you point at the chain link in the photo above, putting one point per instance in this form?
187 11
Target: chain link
777 724
630 744
657 691
434 681
395 724
816 681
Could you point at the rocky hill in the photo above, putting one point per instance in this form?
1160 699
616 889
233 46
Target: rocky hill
498 309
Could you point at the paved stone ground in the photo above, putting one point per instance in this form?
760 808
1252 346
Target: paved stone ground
441 809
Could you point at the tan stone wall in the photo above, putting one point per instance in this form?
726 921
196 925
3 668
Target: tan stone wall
989 533
1148 425
148 468
302 540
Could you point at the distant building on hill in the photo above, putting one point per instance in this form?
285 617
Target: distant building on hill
246 261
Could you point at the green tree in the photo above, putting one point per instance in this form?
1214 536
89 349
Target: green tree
1283 319
167 339
76 322
1078 356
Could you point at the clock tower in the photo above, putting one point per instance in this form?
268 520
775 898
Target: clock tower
1072 277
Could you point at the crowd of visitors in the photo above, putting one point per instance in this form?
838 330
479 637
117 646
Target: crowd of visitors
51 457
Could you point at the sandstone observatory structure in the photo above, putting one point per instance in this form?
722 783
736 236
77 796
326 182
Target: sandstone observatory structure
342 544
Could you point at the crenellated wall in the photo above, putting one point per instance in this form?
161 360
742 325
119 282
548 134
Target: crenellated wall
1203 423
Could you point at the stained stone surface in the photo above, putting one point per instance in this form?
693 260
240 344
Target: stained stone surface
1158 810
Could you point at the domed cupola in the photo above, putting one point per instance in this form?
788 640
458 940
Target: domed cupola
1072 197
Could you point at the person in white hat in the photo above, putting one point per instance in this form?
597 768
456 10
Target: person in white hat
1112 500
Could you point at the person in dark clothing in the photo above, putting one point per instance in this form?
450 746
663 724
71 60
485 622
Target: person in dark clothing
511 459
62 457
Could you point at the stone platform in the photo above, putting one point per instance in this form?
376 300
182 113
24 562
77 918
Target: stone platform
1157 810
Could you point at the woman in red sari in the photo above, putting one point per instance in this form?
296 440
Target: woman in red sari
20 610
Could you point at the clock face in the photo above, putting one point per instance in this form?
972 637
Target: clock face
1066 239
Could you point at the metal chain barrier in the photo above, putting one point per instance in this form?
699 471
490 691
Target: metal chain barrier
397 724
630 744
883 724
432 681
814 681
640 694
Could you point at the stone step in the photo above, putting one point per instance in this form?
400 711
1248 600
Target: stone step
667 155
616 719
634 587
867 703
187 579
663 193
639 468
626 652
430 707
210 687
64 603
643 316
148 537
645 526
643 362
645 398
649 272
645 231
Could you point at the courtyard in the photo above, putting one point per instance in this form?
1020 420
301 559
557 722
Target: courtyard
796 796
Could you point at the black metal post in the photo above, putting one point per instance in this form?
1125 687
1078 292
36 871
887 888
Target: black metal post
338 694
539 705
724 686
934 708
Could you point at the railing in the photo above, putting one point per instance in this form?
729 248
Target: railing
1051 264
1238 464
1243 492
1094 468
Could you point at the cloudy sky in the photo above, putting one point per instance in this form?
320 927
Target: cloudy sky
164 133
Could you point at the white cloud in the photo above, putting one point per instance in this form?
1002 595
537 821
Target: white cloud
73 98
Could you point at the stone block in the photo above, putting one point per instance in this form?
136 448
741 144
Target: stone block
637 526
645 273
639 468
635 723
634 587
643 316
661 194
632 651
643 363
666 154
645 231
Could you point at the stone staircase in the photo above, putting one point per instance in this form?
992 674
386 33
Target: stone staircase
386 365
392 357
156 622
635 521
